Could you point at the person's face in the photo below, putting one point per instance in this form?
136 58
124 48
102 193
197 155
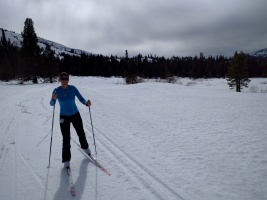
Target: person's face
64 80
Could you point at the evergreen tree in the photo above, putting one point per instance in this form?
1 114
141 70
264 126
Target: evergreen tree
5 67
49 67
238 72
126 54
3 39
29 51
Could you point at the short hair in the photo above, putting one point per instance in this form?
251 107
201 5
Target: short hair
62 74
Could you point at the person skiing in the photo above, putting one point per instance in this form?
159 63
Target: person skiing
69 113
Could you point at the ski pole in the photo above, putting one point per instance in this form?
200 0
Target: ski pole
92 129
51 134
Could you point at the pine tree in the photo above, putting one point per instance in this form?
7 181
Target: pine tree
49 67
29 51
238 72
3 39
5 67
126 54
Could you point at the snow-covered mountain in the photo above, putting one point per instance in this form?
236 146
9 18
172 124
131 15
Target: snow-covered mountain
16 40
259 53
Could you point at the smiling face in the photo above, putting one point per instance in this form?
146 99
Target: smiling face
64 80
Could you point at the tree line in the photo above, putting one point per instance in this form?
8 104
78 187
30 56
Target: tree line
30 62
157 67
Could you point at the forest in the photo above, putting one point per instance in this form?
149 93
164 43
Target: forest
30 62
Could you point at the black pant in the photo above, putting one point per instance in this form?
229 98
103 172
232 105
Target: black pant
77 123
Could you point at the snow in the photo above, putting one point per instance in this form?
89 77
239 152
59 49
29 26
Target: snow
193 140
16 40
259 53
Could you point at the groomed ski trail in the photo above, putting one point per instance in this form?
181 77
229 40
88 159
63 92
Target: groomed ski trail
20 176
128 162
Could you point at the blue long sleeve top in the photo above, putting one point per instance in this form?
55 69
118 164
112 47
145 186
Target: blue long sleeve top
66 99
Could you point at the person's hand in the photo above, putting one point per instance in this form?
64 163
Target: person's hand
88 103
54 96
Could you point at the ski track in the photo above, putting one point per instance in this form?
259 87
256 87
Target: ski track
23 122
131 165
15 173
135 167
7 122
9 146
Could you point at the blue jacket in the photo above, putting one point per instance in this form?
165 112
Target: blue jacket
66 99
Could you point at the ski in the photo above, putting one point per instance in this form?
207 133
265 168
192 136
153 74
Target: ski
96 163
69 176
99 165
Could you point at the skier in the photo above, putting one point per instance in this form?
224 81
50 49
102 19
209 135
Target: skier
69 114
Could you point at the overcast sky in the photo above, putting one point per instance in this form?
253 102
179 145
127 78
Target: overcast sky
161 27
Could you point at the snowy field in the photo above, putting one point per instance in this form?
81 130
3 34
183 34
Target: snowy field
196 140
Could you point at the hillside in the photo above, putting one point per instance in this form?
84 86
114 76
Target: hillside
259 53
16 40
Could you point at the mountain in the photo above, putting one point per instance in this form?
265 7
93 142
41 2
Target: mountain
260 53
16 40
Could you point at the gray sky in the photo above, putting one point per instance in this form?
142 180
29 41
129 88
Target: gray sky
161 27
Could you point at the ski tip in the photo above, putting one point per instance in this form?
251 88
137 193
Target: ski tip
73 193
106 171
72 190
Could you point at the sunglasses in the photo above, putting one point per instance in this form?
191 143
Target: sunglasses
64 78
